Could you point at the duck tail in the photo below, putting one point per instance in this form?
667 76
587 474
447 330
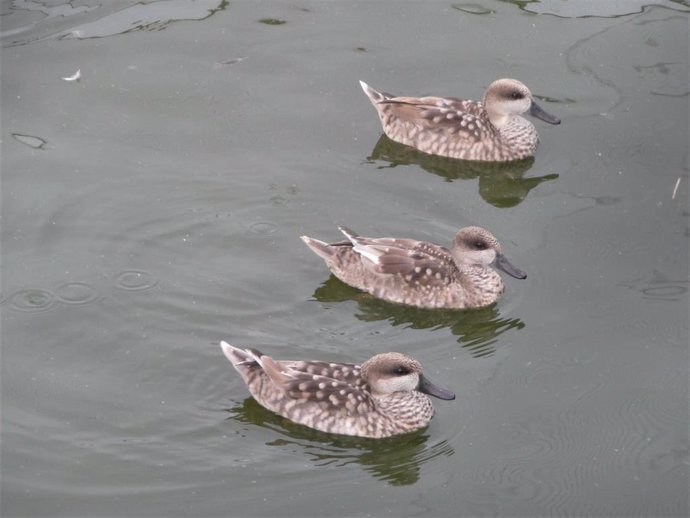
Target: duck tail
350 234
239 357
374 96
320 248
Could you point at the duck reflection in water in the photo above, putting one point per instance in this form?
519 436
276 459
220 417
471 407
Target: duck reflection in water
477 329
501 184
396 460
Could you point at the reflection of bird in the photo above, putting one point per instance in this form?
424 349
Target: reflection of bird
477 330
419 273
492 130
384 396
501 184
397 460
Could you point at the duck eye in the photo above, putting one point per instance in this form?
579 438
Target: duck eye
480 245
401 371
516 95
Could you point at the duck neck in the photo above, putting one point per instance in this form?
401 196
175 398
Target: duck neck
405 411
499 120
480 281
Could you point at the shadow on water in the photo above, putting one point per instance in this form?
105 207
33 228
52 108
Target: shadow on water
500 183
477 329
396 460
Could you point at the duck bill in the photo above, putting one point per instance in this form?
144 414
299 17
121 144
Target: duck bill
503 264
539 113
433 390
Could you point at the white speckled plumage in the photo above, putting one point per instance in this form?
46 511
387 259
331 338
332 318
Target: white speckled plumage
419 273
384 396
491 130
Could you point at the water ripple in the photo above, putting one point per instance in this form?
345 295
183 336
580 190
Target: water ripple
135 280
263 228
553 458
76 293
659 287
32 300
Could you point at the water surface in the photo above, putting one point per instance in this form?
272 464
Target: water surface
154 207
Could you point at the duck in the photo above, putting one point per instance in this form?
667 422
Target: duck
419 273
490 130
385 396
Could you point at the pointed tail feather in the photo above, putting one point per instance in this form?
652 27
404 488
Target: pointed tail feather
248 361
275 372
320 248
350 234
374 96
241 357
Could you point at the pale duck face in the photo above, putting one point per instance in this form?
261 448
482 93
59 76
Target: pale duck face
391 372
505 98
476 246
395 372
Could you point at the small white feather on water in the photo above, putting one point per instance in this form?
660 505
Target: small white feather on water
75 77
675 189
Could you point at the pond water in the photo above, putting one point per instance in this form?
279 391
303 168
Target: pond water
153 207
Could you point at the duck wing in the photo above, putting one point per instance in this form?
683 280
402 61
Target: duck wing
460 116
416 261
346 372
304 386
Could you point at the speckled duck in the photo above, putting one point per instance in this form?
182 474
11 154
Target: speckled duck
384 396
419 273
491 130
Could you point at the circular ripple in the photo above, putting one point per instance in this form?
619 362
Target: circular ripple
135 280
263 228
32 300
75 293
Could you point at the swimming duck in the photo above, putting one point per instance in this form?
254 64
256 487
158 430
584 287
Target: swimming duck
384 396
491 130
419 273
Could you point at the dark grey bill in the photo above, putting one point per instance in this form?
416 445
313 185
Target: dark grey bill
433 390
537 111
502 263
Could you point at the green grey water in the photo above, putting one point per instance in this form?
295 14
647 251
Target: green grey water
154 207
